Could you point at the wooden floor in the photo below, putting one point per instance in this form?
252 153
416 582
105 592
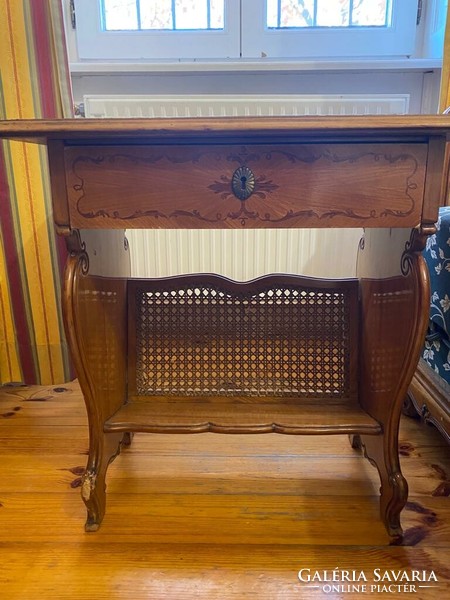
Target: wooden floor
207 516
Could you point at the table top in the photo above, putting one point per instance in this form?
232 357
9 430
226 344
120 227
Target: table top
304 127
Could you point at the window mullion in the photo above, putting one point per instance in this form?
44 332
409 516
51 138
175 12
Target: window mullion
102 15
387 13
174 16
315 13
138 14
350 13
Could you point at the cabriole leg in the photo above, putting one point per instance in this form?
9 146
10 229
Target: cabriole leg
394 488
93 488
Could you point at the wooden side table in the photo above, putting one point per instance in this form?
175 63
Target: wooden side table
282 353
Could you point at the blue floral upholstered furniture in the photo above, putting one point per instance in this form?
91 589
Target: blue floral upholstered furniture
429 392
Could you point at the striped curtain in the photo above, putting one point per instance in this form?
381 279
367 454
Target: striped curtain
34 83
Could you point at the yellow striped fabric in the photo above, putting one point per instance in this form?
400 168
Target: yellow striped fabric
33 84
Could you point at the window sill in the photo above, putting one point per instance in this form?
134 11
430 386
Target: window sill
255 66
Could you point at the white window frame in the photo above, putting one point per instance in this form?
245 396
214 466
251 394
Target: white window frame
245 36
94 43
397 41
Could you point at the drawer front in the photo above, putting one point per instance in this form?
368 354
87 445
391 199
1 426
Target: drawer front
253 186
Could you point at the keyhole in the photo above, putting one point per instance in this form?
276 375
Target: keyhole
243 183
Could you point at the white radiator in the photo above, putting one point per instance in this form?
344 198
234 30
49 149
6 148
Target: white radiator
243 255
249 105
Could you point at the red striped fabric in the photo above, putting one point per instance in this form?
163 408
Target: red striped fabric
34 78
23 332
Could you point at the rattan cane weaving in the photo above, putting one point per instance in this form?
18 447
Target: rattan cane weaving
276 336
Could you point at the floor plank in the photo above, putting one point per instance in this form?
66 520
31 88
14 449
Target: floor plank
206 516
158 571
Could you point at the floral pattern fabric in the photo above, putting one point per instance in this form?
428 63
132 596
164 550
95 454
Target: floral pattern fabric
436 351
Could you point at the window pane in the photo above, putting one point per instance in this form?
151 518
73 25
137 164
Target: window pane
162 14
295 13
119 14
191 14
333 14
217 14
370 13
156 14
327 13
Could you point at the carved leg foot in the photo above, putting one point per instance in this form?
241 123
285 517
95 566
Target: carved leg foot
93 487
394 488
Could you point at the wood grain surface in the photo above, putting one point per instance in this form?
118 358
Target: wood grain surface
205 516
295 185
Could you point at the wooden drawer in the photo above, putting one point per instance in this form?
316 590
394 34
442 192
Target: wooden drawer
252 186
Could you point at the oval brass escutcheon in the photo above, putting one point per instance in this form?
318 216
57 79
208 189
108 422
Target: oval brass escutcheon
243 183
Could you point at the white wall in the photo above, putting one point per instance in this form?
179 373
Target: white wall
422 86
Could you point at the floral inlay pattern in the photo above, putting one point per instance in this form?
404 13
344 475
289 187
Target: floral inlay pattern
266 182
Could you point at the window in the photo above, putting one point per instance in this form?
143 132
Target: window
143 15
316 13
329 28
158 29
223 29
